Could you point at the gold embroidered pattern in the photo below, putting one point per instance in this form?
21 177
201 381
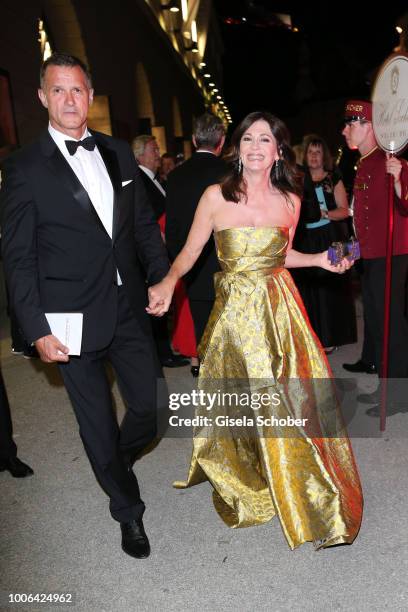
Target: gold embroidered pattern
258 330
354 107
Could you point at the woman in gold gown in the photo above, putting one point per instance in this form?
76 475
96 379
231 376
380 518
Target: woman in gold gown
258 339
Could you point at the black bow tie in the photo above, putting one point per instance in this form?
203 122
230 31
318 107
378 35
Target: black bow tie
88 143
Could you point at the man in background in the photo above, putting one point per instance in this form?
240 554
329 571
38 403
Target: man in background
167 165
8 449
185 186
147 154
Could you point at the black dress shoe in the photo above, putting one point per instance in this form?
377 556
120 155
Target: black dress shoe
177 361
369 398
195 370
17 350
134 539
17 468
360 366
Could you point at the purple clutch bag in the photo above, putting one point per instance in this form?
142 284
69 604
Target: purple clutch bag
338 250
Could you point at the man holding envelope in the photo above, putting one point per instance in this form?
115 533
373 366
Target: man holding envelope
76 231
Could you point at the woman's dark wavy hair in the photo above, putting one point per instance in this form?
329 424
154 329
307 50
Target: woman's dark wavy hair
284 176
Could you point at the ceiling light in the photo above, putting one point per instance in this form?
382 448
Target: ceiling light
170 6
193 47
194 31
184 10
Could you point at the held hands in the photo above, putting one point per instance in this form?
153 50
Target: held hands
51 349
160 297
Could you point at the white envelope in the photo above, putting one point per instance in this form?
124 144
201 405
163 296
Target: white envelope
124 183
67 327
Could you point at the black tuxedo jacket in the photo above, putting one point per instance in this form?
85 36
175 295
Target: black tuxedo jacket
185 186
155 196
58 256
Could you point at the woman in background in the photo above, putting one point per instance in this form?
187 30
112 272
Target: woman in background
328 298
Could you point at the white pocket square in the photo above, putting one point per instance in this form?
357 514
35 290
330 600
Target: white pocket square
124 183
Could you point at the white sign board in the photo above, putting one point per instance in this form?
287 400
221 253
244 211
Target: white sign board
390 104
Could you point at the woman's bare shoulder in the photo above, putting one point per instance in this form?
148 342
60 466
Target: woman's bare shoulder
212 197
295 199
213 193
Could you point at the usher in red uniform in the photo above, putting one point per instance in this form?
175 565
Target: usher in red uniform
371 207
371 224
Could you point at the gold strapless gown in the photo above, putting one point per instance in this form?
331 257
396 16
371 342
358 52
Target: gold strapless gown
258 331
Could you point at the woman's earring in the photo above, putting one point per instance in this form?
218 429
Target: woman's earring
278 169
279 165
239 165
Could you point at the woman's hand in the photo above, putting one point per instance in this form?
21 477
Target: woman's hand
324 262
160 296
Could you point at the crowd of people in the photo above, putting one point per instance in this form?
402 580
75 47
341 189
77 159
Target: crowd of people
220 233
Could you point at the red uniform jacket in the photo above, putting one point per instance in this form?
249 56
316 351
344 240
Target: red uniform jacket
371 207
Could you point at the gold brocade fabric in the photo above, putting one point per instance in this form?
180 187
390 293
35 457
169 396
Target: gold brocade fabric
258 332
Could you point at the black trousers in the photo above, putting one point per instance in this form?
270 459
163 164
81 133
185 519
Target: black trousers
8 448
161 337
200 313
373 283
368 350
133 357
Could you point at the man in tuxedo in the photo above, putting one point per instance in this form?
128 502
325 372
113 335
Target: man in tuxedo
185 186
147 155
76 231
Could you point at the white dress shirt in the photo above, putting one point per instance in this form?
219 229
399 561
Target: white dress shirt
90 170
151 176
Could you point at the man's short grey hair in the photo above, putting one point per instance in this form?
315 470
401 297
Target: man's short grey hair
208 130
139 144
69 61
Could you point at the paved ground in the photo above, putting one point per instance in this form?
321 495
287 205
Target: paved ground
56 534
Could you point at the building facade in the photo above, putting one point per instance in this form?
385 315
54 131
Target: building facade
148 59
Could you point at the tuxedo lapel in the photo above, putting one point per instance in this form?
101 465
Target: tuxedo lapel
63 171
156 198
112 166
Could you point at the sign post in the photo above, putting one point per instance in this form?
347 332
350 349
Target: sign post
390 124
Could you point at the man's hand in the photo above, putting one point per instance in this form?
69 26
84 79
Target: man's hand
51 349
393 166
160 297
